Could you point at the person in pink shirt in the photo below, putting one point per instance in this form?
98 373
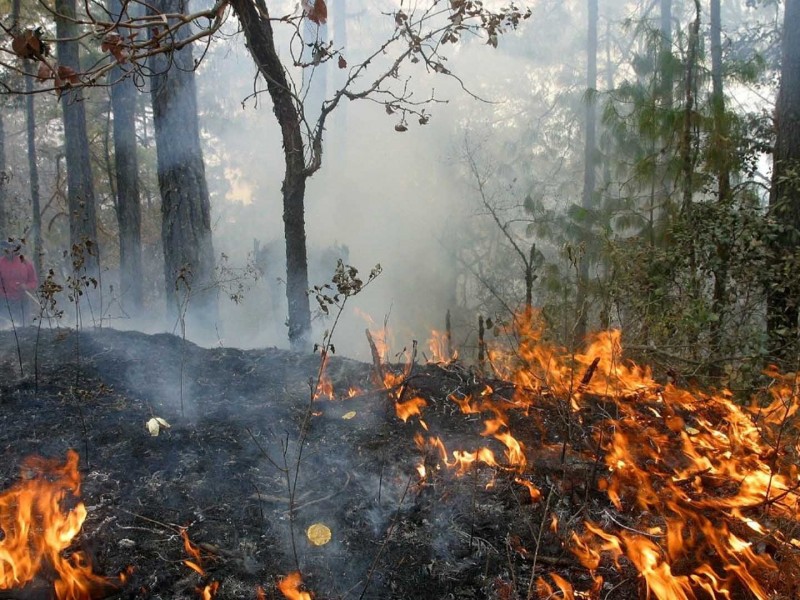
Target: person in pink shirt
17 276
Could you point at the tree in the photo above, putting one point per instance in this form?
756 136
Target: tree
123 102
418 37
185 205
80 185
421 36
720 163
783 295
590 160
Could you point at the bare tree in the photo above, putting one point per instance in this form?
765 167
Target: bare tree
420 36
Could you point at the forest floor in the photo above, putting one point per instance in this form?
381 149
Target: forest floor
219 473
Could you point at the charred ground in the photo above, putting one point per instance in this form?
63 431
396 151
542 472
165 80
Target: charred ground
236 419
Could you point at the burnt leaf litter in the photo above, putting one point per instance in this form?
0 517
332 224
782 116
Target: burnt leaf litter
219 471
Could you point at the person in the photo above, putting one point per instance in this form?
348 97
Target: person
17 279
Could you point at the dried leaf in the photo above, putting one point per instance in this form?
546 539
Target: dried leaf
342 62
400 127
45 72
68 74
155 425
316 11
319 534
29 44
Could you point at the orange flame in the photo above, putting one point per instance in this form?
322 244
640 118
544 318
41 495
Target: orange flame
324 386
206 592
290 587
39 517
439 345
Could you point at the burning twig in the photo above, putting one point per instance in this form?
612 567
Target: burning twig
587 376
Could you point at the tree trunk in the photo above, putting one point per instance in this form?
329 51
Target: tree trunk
589 164
721 152
666 52
687 149
784 203
261 43
185 206
3 180
80 186
33 169
123 102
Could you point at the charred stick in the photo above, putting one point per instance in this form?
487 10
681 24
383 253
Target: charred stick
481 344
411 361
378 374
448 337
587 376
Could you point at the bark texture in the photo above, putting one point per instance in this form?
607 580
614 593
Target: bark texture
589 162
185 205
254 18
783 294
80 186
126 164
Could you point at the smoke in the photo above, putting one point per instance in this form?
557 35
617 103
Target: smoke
388 197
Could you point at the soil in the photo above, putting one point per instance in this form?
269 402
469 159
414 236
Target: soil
240 421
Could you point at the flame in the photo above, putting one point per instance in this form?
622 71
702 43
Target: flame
324 386
440 348
290 587
39 518
700 479
410 408
206 592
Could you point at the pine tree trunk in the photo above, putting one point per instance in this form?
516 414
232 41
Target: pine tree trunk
3 180
722 168
80 186
261 43
783 294
589 165
33 170
185 206
123 102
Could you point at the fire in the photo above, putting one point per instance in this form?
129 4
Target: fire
290 587
699 484
206 592
410 408
440 348
39 518
324 385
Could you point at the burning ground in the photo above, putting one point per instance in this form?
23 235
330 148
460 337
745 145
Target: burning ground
540 475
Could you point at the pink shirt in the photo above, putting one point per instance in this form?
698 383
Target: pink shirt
16 276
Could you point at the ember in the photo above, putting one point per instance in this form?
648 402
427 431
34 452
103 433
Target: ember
40 516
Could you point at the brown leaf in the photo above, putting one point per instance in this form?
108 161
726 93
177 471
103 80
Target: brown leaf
342 62
68 74
28 44
400 127
45 72
110 41
316 11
